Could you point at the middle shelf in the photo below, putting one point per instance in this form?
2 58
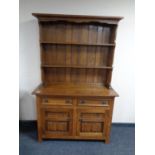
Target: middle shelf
78 44
75 66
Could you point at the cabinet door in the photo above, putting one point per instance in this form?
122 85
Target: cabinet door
57 122
92 123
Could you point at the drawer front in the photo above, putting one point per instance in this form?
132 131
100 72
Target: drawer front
92 123
57 101
57 122
93 102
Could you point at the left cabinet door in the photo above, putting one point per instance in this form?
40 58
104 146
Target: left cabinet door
57 122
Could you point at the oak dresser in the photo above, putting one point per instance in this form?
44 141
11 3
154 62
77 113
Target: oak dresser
75 99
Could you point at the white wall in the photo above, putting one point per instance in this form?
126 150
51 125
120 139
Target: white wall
123 73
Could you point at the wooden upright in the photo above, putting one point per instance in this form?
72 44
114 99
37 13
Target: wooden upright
75 99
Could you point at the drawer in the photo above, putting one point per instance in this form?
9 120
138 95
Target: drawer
93 102
57 101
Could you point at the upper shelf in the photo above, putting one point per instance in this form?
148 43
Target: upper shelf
77 18
76 66
78 44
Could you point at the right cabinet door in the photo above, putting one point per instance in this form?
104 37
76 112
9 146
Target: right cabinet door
92 122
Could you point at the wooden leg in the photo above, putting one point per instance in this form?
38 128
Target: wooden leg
107 139
39 125
39 138
39 134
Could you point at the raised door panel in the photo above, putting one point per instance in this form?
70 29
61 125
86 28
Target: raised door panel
92 123
57 122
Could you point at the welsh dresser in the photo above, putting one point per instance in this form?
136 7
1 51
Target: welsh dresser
75 99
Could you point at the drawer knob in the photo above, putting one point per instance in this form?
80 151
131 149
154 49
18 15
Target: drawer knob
104 103
82 101
46 100
68 101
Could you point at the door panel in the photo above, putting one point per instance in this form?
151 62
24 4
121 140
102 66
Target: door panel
92 123
57 122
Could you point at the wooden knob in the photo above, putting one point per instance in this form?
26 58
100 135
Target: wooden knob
82 101
68 101
46 100
104 102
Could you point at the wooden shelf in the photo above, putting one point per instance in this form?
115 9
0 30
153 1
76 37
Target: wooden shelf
76 66
78 44
74 90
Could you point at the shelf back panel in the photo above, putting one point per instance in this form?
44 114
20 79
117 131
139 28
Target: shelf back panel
75 55
72 75
75 33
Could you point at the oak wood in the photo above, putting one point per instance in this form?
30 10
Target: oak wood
57 121
75 90
39 118
77 18
77 44
110 113
91 122
75 99
76 66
